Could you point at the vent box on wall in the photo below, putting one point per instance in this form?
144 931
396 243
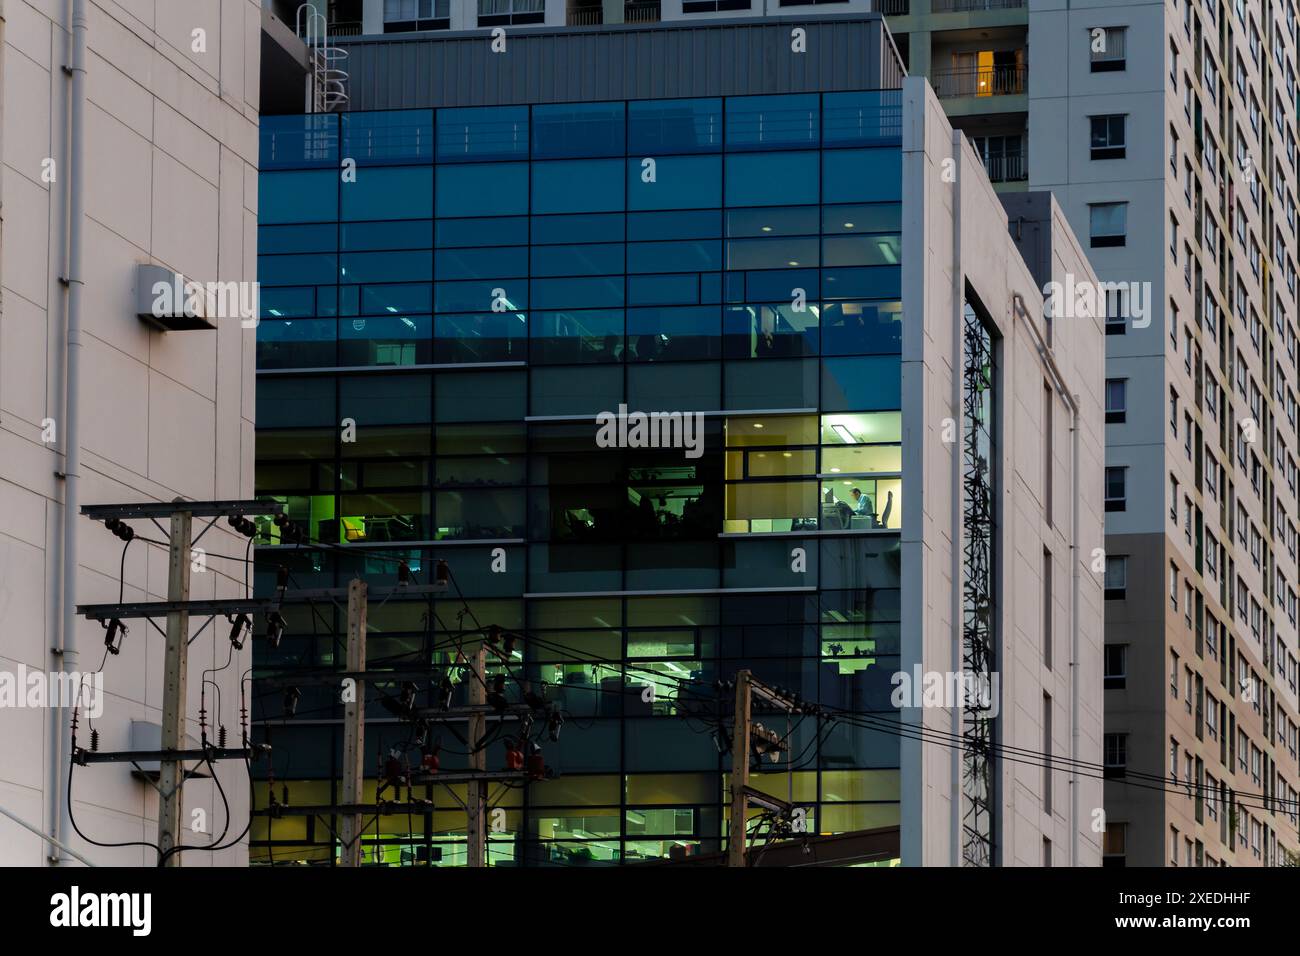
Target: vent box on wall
146 735
166 300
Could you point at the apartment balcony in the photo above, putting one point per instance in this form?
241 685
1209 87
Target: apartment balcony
590 15
584 16
974 6
894 8
1012 167
641 12
979 82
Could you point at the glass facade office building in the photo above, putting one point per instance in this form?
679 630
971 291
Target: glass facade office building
449 300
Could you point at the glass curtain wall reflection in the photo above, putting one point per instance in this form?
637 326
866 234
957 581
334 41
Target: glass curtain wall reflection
490 281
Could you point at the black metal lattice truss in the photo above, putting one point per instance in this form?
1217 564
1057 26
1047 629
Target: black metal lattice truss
977 592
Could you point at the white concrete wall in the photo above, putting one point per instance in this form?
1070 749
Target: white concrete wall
937 181
171 179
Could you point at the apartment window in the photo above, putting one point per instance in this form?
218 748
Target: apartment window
1173 594
516 12
1047 609
1188 684
1114 844
1116 312
405 16
1116 488
1173 497
1115 751
1107 48
1108 136
1116 400
1116 582
1173 759
1173 674
1115 666
1047 753
1107 224
1173 846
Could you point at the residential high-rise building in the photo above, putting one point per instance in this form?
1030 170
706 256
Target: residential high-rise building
876 467
1167 133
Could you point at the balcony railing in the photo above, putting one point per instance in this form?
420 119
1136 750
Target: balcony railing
586 17
641 12
1012 167
894 8
352 29
994 81
974 6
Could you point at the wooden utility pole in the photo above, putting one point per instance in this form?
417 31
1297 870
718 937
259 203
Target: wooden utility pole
476 797
354 726
171 775
739 772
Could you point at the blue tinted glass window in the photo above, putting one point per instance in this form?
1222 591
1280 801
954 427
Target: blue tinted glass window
850 328
679 386
392 192
779 383
512 294
663 290
299 196
595 227
576 335
585 260
308 343
321 238
881 282
495 132
483 263
297 270
578 129
500 189
862 175
589 185
385 340
664 127
296 141
675 225
680 182
388 136
862 119
782 285
774 330
497 396
861 384
287 303
877 250
773 122
576 390
385 399
499 231
577 293
772 179
296 402
668 332
481 337
371 299
361 236
386 267
699 256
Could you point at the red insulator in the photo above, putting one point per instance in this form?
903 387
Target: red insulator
536 767
514 758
